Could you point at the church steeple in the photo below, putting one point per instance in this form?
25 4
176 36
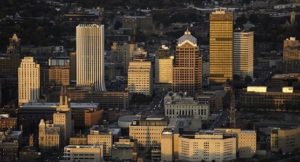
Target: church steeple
64 103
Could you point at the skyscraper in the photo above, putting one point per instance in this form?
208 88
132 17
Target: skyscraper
90 56
243 54
29 81
221 46
188 65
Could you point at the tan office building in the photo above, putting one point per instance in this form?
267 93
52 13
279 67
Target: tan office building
243 54
59 75
140 77
221 46
286 140
246 141
29 81
101 136
188 65
208 146
148 132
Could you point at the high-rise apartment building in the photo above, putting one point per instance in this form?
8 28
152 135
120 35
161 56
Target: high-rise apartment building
221 46
90 56
243 54
187 70
29 81
291 55
140 77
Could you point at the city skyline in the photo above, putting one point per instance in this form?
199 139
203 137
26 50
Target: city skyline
150 81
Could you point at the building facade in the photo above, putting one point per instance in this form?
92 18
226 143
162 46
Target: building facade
148 132
101 136
90 56
243 54
49 136
187 72
246 141
29 81
140 77
221 46
178 105
164 66
83 153
285 140
261 99
291 55
207 146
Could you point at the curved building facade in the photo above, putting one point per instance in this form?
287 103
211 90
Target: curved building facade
90 56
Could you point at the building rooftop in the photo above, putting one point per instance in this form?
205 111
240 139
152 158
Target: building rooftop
187 37
83 146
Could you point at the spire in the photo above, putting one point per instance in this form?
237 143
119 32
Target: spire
63 99
187 32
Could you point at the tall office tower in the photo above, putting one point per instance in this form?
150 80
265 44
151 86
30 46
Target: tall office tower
90 56
291 55
243 54
187 72
221 46
62 117
164 66
140 77
29 80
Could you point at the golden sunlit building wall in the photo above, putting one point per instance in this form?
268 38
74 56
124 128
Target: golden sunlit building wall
148 132
246 141
140 77
29 81
221 46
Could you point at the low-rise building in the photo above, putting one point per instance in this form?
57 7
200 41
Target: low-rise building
259 98
246 141
147 132
9 145
49 136
124 149
83 153
285 140
179 105
207 146
7 122
99 135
